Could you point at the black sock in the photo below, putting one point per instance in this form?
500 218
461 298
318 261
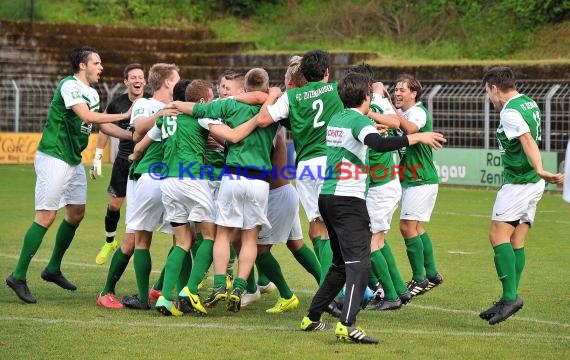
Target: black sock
111 221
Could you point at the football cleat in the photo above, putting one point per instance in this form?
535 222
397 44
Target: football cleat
58 279
434 281
308 325
217 295
109 301
388 305
234 302
154 294
166 307
106 250
284 305
506 309
267 289
248 298
353 334
417 288
405 297
21 289
190 302
133 302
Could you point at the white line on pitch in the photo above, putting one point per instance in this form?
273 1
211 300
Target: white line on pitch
265 327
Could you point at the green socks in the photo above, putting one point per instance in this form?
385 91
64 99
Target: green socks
184 272
415 252
196 245
63 239
172 271
326 258
397 280
239 283
159 282
32 241
262 279
308 260
268 264
118 265
220 280
251 286
143 264
429 257
506 269
520 260
233 256
202 262
380 268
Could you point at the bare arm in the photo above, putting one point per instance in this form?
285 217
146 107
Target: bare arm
252 97
222 131
407 126
82 110
531 150
391 121
264 118
114 131
140 148
187 107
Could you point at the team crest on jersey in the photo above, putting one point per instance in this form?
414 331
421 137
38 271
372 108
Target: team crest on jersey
299 97
139 112
75 94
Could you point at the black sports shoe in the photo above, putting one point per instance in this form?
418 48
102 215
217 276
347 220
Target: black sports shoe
234 302
333 309
58 279
353 334
309 325
405 297
216 295
133 302
506 309
388 305
378 296
434 281
21 289
417 288
490 312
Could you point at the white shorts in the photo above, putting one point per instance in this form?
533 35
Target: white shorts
418 202
283 214
242 203
309 186
517 202
148 210
381 202
58 183
131 184
187 200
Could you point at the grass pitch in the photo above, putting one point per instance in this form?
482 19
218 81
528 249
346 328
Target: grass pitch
442 324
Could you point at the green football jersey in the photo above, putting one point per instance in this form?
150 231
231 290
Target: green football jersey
418 158
217 159
65 135
519 115
255 150
381 163
347 156
310 109
183 144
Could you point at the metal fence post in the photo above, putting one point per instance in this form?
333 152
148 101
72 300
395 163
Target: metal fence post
16 106
486 121
430 97
548 115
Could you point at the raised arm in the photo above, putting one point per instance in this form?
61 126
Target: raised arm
140 148
114 131
223 132
252 97
82 110
264 118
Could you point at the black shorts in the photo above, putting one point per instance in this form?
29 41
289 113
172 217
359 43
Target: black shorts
119 176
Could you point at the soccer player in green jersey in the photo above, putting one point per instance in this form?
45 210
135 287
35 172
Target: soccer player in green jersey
309 109
343 206
524 177
420 185
242 199
61 179
382 200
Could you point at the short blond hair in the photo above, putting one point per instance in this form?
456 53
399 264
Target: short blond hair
294 71
256 79
160 72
